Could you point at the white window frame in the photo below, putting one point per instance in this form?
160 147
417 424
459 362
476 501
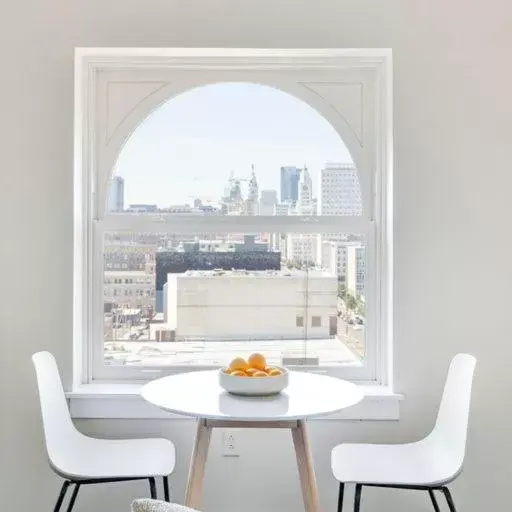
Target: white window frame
297 72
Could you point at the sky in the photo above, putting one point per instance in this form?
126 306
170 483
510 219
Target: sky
188 147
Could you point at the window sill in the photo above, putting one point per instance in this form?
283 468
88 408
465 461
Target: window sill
123 401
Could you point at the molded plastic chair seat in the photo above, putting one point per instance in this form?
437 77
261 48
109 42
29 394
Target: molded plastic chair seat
414 464
90 458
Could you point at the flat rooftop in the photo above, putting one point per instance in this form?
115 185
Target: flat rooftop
331 352
286 273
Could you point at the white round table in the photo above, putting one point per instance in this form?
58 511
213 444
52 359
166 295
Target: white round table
199 395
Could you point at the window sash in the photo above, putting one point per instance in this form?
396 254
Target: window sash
183 224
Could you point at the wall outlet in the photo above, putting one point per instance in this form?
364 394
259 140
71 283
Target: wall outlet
229 444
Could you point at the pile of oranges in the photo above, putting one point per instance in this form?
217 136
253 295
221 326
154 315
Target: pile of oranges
255 366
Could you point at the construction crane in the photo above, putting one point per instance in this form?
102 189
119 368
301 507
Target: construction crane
232 178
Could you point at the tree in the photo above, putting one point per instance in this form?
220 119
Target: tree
352 303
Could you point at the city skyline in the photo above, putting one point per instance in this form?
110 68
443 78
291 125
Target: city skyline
212 131
339 193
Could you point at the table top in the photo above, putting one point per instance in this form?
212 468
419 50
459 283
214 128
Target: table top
198 394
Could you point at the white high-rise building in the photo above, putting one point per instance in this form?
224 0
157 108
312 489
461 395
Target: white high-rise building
252 203
268 202
340 194
340 191
303 247
305 203
305 188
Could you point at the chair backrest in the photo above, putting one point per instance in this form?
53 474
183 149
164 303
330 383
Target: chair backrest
451 427
59 430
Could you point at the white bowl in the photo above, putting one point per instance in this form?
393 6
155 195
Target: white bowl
253 386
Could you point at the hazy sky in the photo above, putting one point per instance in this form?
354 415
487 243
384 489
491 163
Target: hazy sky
189 146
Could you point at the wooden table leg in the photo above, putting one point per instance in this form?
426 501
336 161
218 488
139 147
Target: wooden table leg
194 493
305 464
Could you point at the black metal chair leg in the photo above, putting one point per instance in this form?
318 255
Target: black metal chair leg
357 498
73 497
434 500
449 499
166 489
152 487
340 496
62 493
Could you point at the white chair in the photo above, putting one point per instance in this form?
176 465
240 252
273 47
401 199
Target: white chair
429 464
85 460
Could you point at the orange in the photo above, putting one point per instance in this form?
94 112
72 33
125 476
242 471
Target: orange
227 370
238 363
251 371
257 361
274 372
259 373
238 373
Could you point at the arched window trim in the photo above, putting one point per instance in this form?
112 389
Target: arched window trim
173 71
166 91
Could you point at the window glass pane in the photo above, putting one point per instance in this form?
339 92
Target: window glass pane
235 149
203 298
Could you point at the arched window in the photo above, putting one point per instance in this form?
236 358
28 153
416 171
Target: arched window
260 189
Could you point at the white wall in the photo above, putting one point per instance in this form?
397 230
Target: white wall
453 113
260 306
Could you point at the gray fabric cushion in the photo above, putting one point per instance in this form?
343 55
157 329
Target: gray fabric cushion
147 505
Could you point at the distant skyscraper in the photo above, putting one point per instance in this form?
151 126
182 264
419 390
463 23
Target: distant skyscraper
305 204
340 194
252 203
268 202
303 247
115 194
290 177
